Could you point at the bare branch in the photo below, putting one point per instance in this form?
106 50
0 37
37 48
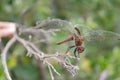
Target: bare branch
3 57
53 68
33 50
51 74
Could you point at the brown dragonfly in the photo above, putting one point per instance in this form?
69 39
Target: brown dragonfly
78 42
92 35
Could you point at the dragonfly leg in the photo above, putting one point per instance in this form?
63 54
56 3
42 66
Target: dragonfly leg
69 48
75 52
78 31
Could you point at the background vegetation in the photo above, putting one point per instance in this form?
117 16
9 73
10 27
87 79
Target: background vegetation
99 58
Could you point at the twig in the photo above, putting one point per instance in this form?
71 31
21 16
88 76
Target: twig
53 68
3 57
51 74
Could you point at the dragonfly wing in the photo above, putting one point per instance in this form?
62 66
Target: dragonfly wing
54 24
101 35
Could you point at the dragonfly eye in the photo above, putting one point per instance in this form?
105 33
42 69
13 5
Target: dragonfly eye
80 49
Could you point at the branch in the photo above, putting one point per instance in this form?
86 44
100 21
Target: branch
33 50
51 74
3 57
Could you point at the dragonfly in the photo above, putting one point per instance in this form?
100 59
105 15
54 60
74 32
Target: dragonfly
78 39
79 34
92 35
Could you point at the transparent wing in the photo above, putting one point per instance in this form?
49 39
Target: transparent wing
100 35
55 24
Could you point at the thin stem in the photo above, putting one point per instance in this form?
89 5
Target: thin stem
51 74
3 57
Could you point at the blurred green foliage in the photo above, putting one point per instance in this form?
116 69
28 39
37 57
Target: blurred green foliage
98 56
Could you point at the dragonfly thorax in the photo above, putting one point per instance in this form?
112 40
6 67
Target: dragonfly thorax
78 40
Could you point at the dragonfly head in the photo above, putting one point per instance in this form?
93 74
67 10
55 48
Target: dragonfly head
80 49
